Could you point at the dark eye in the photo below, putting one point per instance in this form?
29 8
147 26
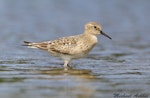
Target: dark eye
95 27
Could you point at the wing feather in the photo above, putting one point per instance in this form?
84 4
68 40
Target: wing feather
63 45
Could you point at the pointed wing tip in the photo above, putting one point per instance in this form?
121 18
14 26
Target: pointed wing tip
26 42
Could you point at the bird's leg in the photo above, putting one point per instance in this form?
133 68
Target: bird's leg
66 62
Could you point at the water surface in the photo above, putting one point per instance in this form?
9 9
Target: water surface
119 66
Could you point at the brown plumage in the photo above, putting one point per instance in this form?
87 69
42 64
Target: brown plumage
71 47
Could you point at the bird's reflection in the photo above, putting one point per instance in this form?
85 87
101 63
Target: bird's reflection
77 80
82 73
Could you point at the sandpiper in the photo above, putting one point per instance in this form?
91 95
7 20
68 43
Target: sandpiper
71 47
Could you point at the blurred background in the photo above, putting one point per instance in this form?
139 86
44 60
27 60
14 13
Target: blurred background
120 65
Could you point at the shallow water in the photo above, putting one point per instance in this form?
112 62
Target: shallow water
118 67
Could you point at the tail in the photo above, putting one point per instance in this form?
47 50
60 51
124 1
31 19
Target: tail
42 45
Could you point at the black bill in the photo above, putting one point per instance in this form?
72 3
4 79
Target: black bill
105 35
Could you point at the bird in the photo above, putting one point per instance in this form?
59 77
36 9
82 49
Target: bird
71 47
